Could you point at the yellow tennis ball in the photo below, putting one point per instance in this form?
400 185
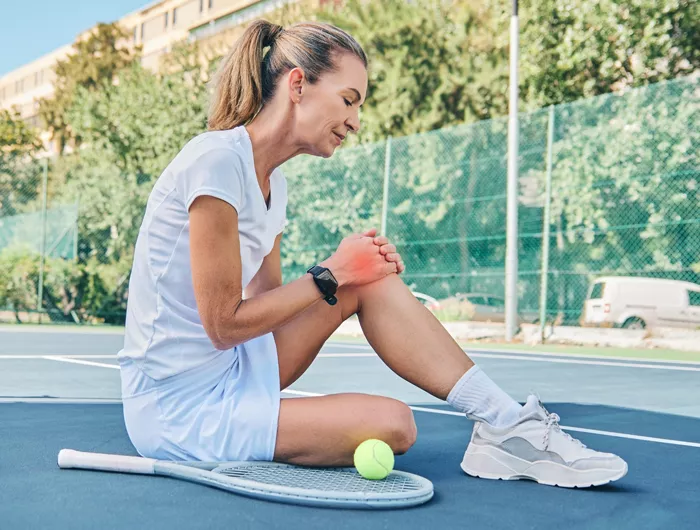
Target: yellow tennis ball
374 459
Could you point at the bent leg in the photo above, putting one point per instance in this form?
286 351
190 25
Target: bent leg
326 430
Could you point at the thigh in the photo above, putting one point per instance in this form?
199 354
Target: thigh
326 430
299 340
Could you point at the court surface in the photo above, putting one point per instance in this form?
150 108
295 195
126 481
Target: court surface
60 388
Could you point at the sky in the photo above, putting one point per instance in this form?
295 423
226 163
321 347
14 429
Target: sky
32 28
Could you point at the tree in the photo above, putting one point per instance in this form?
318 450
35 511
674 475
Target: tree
19 146
98 57
432 63
574 50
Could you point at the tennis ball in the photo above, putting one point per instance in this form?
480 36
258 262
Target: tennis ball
374 459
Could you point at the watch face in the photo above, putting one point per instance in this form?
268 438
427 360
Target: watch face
325 275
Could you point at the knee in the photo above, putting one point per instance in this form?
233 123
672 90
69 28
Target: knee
403 430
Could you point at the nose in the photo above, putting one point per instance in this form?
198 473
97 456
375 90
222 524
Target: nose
353 122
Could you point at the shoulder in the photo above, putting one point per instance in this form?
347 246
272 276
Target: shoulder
211 148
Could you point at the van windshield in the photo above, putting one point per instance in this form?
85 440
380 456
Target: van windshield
597 291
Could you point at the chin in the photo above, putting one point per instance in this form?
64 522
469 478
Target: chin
324 151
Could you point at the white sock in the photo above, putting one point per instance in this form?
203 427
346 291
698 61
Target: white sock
476 395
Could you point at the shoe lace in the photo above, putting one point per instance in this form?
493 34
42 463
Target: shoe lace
552 424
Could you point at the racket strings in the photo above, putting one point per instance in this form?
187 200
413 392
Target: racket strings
321 479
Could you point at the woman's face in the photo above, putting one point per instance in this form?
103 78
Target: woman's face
328 110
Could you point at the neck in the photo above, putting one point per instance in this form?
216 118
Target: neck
272 143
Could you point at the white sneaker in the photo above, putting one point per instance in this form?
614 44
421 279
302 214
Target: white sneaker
535 448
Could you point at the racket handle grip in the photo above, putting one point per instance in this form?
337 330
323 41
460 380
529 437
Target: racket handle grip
68 458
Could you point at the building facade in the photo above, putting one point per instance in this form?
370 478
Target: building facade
155 27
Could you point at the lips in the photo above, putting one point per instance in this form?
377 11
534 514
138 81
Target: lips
339 137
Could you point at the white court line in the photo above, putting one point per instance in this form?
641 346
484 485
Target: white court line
437 411
679 366
562 355
581 356
61 401
541 360
78 361
574 429
365 354
592 363
56 355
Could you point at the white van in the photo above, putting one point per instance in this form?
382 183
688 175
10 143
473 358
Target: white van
638 303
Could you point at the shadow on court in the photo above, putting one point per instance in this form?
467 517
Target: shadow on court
660 491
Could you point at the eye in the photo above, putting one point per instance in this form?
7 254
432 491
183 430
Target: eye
347 103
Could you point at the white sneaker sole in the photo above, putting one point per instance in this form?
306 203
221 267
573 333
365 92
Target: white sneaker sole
492 463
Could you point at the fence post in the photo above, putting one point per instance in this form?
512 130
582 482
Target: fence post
385 194
75 231
44 193
546 226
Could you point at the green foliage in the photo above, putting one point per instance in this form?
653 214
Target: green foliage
583 48
625 193
131 131
432 63
329 199
92 292
626 173
19 274
19 145
97 59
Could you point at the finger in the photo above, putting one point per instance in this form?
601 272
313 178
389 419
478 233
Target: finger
381 240
394 256
400 267
370 233
390 267
387 249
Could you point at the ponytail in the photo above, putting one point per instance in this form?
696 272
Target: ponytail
247 77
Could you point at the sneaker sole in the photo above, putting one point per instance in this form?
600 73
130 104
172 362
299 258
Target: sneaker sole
491 463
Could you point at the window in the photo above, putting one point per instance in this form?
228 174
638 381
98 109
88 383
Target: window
597 291
694 298
136 33
498 303
36 78
476 300
201 5
165 23
174 16
211 4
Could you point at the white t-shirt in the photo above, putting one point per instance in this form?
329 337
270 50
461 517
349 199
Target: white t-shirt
164 333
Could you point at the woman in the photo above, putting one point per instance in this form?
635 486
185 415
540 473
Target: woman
203 365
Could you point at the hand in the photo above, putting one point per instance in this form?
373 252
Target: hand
387 250
359 260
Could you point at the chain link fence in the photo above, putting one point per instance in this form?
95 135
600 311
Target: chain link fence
38 244
607 186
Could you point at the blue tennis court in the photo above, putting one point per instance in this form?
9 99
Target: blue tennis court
61 389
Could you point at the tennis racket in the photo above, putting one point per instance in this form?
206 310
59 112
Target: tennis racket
329 487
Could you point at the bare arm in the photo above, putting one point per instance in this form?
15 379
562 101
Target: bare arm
215 256
216 274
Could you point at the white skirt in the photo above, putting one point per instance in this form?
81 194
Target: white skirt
224 410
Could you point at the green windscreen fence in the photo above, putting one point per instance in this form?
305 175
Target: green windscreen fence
55 232
623 199
606 186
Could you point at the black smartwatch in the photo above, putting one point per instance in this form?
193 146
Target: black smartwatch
326 283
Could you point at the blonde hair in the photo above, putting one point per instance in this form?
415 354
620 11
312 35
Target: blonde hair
247 77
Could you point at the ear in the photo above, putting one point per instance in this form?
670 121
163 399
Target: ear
297 80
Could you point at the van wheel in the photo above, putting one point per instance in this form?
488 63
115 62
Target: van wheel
634 323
